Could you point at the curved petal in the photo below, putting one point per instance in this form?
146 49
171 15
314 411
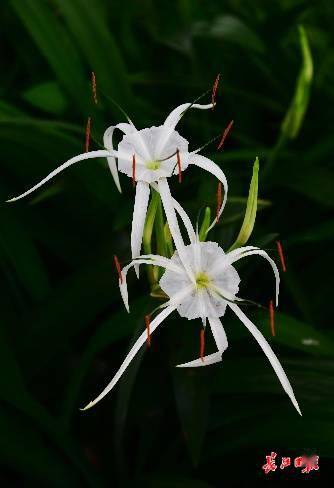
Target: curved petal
138 219
183 215
258 252
167 203
173 119
108 144
219 335
75 159
176 114
133 351
269 353
213 168
157 261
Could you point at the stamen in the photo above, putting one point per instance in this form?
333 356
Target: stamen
147 323
118 267
281 255
134 170
214 90
225 134
179 165
219 199
94 87
87 139
202 344
272 317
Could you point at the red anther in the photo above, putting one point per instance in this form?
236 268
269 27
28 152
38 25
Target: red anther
272 317
219 200
202 345
87 139
94 87
281 255
118 267
134 170
214 90
179 165
147 324
225 134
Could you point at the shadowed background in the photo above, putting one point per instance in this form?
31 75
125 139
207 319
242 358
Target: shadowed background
64 330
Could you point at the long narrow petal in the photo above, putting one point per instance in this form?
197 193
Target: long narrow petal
268 352
172 121
214 169
258 252
108 144
158 261
220 338
174 117
167 202
138 219
133 351
183 215
75 159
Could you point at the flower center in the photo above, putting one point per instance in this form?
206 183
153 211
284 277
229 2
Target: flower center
154 165
202 280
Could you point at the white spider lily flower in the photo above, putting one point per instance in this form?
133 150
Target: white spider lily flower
202 283
148 156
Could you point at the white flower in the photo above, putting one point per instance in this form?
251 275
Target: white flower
202 283
149 156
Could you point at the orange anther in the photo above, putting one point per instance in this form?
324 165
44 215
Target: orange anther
148 323
87 138
272 317
281 255
214 90
118 267
225 134
94 87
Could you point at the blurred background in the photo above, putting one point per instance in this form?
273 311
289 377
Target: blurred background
64 330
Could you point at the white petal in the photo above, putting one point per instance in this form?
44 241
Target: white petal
156 260
138 219
167 203
214 169
174 117
268 352
232 259
133 351
216 357
218 333
184 216
75 159
172 121
108 144
221 342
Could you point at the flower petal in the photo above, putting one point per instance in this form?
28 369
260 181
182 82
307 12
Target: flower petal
138 219
268 352
167 202
232 259
108 144
183 215
155 260
173 119
214 169
75 159
133 351
221 342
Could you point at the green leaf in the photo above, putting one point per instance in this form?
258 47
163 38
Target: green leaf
46 96
294 118
250 214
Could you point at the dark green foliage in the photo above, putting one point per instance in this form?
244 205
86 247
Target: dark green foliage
64 330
